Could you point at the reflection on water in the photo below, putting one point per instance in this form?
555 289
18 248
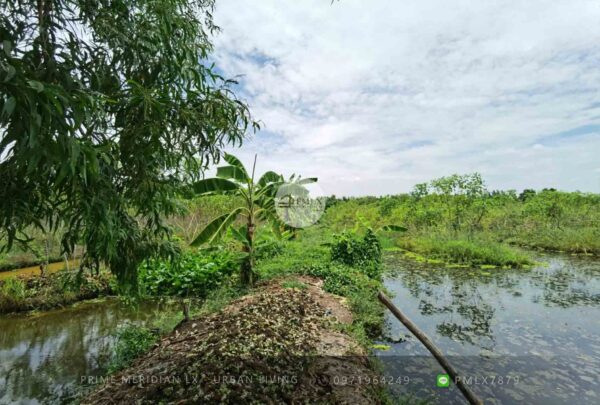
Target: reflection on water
44 356
541 325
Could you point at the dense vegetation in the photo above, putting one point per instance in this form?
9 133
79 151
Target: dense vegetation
110 113
258 204
108 109
52 290
461 225
456 220
452 220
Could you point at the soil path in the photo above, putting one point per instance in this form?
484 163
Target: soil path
277 345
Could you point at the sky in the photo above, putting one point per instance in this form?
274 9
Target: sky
375 96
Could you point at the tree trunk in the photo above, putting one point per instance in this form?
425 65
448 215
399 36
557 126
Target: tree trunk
185 307
437 353
44 266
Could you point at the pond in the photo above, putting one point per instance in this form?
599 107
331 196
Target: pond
517 336
45 356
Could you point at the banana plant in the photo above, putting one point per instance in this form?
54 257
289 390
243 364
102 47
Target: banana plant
258 205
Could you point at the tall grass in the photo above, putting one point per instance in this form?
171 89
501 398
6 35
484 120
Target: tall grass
467 252
51 291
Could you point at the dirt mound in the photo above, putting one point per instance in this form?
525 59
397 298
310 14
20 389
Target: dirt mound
275 346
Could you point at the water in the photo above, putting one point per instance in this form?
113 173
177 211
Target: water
26 272
538 329
523 336
44 357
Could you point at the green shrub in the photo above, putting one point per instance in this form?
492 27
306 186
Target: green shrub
14 288
132 341
266 248
361 292
341 279
193 274
364 254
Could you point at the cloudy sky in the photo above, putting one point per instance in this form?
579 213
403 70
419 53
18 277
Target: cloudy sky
375 96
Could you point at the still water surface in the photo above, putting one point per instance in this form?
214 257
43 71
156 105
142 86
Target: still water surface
523 336
540 327
45 356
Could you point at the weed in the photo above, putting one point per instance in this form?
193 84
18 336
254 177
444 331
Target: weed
364 253
132 341
14 288
483 253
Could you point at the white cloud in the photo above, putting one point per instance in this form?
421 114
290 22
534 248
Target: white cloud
373 97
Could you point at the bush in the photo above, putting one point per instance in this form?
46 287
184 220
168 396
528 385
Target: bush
132 342
14 288
52 290
192 274
363 254
266 248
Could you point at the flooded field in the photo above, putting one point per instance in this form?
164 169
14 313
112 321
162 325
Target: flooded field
529 336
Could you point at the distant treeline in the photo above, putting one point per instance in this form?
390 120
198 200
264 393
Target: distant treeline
460 206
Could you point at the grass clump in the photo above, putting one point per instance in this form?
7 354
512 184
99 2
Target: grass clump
52 290
467 252
132 342
580 240
13 289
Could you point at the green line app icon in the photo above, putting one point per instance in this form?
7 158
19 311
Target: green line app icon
443 380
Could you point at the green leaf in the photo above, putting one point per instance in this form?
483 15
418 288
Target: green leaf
7 46
269 177
232 172
240 235
215 229
275 222
214 185
37 86
233 161
11 71
9 107
292 189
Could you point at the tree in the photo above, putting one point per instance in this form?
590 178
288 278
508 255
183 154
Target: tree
462 192
527 194
259 204
107 107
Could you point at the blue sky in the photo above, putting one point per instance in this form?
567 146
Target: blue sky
373 97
